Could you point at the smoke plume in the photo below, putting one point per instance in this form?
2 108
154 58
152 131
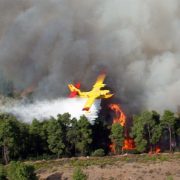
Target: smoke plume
51 43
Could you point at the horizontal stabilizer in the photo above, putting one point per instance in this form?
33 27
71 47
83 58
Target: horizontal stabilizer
73 94
74 90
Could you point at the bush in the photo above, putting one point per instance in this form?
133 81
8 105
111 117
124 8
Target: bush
79 175
131 151
21 171
98 153
2 173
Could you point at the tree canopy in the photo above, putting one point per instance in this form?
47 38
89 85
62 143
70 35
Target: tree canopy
65 136
117 136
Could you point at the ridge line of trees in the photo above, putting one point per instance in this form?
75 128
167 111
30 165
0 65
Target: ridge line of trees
66 137
150 130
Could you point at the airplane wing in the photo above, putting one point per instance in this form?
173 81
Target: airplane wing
99 82
89 103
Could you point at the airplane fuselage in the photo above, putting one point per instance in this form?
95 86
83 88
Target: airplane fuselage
97 94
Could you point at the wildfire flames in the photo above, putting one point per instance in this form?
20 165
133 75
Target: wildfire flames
28 90
156 150
128 144
120 118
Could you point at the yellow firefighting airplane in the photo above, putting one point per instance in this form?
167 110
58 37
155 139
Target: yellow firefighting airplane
95 93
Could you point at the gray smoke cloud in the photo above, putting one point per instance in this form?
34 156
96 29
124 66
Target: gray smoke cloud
51 43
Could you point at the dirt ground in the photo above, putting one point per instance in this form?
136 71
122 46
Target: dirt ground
120 170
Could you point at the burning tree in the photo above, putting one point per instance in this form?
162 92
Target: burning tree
120 116
120 119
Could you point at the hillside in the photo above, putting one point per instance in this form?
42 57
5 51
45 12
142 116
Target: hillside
123 167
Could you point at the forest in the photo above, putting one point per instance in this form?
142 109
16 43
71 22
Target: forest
65 136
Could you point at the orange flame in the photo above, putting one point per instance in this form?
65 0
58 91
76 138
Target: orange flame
112 148
28 90
120 118
129 144
157 150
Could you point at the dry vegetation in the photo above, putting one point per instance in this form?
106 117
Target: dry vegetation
126 167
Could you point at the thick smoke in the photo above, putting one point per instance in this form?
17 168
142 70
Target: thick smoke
50 43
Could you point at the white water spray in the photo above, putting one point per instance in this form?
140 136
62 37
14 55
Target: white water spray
51 108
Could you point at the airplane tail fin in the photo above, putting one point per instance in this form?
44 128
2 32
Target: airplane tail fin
74 90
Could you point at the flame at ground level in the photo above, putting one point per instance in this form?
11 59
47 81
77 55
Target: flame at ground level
129 144
156 150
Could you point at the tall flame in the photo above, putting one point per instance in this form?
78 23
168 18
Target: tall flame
120 118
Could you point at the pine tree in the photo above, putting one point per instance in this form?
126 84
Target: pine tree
117 136
168 121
